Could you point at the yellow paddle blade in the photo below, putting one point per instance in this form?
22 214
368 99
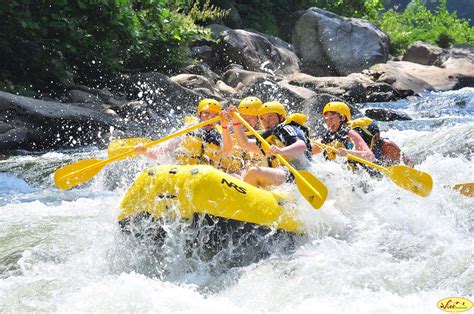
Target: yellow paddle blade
76 173
121 146
466 189
411 179
313 190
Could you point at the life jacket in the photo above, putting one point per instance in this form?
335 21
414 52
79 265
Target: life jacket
200 147
367 129
339 139
294 126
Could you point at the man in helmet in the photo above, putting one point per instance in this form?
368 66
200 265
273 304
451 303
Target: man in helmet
286 139
202 146
248 109
339 135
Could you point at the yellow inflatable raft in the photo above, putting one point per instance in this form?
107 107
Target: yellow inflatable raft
166 191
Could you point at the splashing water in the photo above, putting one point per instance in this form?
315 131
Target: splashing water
373 247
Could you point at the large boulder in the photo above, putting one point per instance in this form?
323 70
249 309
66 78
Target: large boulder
256 52
349 88
383 114
239 78
161 95
440 78
269 90
424 53
28 123
404 82
331 45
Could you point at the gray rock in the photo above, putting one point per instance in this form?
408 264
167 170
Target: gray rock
349 88
235 76
256 53
75 95
382 114
192 81
39 124
331 45
163 96
270 90
403 82
201 69
424 53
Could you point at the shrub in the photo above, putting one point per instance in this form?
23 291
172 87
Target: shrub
46 45
418 23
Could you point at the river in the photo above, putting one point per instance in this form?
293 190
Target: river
372 248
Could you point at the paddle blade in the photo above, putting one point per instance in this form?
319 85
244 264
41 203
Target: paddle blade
122 146
76 173
410 179
313 190
466 189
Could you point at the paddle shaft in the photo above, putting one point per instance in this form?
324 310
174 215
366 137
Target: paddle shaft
166 138
101 163
352 157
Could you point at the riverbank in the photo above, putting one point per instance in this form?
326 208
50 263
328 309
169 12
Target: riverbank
242 63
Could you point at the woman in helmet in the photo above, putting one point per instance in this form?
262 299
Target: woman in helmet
203 146
286 139
339 135
248 109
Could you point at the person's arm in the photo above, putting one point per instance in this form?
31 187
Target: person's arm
227 143
155 151
242 139
293 150
315 149
360 147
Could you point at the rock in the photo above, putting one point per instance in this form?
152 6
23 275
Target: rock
424 53
192 81
269 90
163 96
75 95
464 81
239 78
403 82
205 54
382 114
330 45
225 89
39 124
256 53
440 78
201 69
349 88
105 96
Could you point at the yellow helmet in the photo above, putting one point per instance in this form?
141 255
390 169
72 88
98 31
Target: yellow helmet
339 107
209 104
272 107
249 106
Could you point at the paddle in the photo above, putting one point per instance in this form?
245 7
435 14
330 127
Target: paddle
76 173
313 190
119 146
410 179
466 189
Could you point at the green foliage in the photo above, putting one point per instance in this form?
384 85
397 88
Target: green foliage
49 44
418 23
